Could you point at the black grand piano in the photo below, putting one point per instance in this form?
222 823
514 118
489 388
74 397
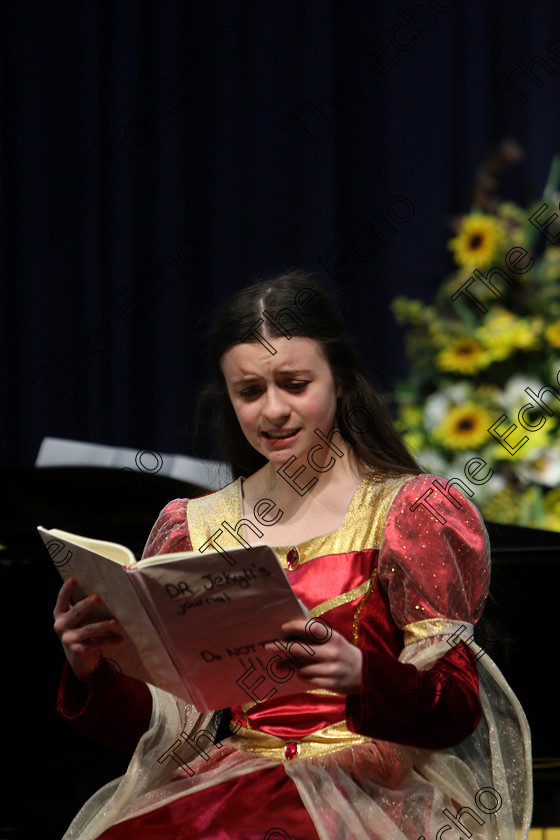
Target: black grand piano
49 770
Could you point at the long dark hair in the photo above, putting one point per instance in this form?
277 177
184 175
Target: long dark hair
294 303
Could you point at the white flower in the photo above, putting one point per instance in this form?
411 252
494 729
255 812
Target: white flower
458 393
457 466
513 395
432 461
435 409
478 471
542 467
486 491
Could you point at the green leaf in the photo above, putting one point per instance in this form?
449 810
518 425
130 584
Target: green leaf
466 314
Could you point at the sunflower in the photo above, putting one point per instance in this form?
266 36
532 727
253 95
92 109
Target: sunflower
464 427
465 355
479 237
503 335
552 334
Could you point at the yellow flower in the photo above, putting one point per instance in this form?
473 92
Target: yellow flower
539 439
413 441
512 214
550 522
552 334
504 334
406 309
505 506
464 427
410 416
500 318
552 501
465 355
479 238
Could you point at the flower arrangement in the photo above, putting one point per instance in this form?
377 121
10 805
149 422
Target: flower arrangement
471 365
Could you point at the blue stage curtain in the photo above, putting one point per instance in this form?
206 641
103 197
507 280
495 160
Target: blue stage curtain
157 156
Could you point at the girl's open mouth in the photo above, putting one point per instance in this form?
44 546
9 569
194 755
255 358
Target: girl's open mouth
280 438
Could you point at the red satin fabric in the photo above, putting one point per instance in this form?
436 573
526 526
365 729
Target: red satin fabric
315 582
426 569
248 808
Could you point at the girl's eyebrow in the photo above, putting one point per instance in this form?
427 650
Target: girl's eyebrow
250 377
292 372
243 380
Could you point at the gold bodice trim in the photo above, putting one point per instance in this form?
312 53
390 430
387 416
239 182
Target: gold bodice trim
361 528
337 736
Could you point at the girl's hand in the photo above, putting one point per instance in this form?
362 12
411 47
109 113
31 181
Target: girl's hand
82 642
336 664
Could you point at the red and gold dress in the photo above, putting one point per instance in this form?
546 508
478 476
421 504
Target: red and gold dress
435 728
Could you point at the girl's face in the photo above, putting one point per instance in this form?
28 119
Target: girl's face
281 399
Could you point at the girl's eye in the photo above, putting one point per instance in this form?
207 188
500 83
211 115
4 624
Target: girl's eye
250 393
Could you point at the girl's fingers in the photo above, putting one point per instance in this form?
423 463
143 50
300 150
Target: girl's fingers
320 669
327 684
290 651
65 607
64 597
102 641
85 646
83 607
96 630
77 613
297 625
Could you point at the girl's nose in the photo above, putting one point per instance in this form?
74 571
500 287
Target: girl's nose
276 406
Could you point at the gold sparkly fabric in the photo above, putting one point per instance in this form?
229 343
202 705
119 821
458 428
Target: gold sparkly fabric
321 742
424 629
338 600
206 514
362 526
361 605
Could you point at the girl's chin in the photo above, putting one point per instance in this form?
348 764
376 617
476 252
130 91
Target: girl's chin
277 457
280 455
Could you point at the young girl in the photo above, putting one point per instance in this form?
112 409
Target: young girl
407 729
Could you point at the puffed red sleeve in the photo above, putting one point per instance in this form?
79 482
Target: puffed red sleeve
116 712
170 532
434 570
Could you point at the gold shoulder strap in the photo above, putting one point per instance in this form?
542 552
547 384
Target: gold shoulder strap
206 514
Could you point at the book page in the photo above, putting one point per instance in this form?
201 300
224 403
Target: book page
142 654
215 619
165 558
111 550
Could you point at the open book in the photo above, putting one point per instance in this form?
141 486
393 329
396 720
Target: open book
193 624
